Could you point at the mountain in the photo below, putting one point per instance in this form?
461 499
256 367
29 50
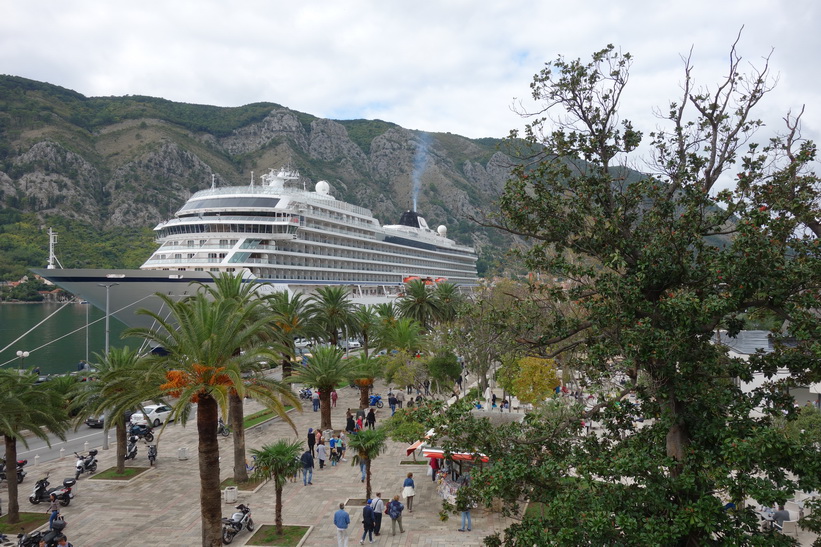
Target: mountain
105 170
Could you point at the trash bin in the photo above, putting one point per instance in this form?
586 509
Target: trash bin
231 494
183 453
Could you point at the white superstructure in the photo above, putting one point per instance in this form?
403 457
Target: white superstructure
288 238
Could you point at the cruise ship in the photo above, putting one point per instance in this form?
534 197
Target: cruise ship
282 235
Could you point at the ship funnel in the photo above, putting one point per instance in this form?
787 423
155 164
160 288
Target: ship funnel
409 218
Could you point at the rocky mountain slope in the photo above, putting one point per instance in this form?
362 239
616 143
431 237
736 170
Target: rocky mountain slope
130 162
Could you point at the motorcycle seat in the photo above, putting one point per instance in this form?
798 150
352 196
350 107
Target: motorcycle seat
69 482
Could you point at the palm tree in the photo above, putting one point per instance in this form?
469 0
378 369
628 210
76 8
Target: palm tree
367 445
26 406
120 386
367 322
291 319
419 303
365 371
448 299
325 370
202 339
333 310
404 334
228 286
278 461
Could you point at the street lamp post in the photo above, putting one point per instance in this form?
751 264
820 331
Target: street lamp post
107 336
22 355
107 314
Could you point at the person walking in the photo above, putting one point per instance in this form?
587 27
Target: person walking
360 423
408 491
342 520
371 419
395 509
400 398
307 468
363 465
315 399
392 403
321 454
350 425
343 446
378 507
54 509
334 397
463 505
434 466
367 522
311 440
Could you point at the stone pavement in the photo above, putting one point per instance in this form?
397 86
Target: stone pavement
161 507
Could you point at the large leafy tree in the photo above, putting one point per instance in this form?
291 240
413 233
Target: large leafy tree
203 366
26 407
656 262
278 461
367 445
325 370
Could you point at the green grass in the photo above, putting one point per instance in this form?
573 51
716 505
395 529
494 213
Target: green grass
112 475
28 522
412 462
250 484
267 535
534 509
258 417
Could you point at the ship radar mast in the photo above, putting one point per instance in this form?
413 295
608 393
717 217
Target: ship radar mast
52 256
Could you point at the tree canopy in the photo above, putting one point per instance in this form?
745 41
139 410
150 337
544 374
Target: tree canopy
634 274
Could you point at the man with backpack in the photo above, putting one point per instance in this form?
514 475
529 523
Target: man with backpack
394 511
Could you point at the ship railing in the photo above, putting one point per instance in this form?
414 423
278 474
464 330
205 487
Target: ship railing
309 197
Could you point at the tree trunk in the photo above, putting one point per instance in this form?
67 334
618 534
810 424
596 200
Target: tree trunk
278 517
122 439
368 479
364 401
325 408
677 438
11 477
235 418
209 466
286 373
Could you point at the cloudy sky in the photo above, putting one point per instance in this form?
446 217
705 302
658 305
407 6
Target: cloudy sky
433 65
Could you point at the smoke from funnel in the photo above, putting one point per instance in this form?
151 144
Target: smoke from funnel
420 162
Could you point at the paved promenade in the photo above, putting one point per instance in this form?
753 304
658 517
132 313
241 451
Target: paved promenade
161 507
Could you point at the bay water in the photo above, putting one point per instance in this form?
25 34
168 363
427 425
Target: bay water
58 344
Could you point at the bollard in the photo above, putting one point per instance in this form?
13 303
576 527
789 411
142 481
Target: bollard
85 446
182 454
36 459
62 453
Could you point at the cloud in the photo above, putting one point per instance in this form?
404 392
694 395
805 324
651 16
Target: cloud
448 65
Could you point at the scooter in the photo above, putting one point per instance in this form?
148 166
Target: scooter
239 520
42 492
20 473
223 429
131 448
306 393
376 400
142 431
152 453
86 464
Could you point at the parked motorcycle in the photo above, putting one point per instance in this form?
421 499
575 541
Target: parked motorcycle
152 453
142 431
50 537
306 393
131 448
223 429
21 474
376 400
86 464
42 492
239 520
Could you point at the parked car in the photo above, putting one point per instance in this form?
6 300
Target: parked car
99 421
155 415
